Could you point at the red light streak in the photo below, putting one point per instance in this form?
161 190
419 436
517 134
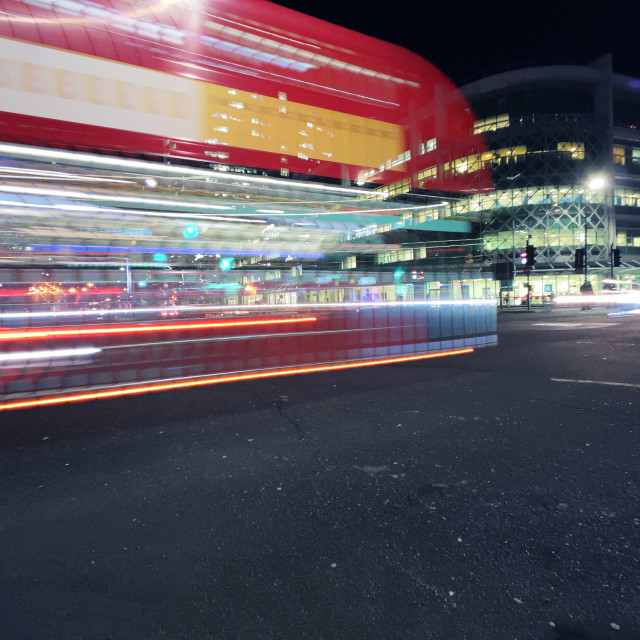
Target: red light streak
37 334
185 384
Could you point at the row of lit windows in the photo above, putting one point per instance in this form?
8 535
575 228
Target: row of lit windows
507 155
541 195
525 197
626 197
425 147
620 155
627 239
548 195
507 240
491 124
476 162
395 189
265 110
401 255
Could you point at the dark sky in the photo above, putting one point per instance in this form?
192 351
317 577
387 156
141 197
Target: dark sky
465 42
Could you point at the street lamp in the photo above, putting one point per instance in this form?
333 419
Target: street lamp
596 182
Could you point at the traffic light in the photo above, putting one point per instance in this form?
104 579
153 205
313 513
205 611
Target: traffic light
578 262
531 254
615 257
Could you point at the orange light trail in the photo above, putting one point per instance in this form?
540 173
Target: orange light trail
33 334
185 384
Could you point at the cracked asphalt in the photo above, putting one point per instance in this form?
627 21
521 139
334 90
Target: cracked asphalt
492 495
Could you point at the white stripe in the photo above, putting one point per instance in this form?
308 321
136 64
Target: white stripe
19 356
612 384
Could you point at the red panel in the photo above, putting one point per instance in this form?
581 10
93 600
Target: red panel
102 44
384 82
53 33
24 28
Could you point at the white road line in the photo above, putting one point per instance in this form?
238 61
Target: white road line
612 384
556 324
573 325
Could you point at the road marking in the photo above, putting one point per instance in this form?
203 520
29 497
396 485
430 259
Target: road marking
611 384
556 324
572 325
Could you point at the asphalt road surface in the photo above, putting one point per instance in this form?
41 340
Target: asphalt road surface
486 496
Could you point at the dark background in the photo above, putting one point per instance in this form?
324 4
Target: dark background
465 40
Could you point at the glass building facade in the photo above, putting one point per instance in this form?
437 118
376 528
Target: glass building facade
550 131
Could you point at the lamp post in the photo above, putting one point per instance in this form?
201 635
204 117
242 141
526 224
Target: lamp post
595 182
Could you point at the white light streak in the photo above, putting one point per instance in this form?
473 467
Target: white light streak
250 309
47 354
129 212
82 195
601 298
122 164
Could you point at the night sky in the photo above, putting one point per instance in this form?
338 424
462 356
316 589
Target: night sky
464 43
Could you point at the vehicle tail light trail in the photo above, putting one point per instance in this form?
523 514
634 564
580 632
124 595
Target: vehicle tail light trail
35 334
210 380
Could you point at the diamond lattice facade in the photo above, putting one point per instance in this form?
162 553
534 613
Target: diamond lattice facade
550 131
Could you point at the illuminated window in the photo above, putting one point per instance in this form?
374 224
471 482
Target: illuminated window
236 104
428 174
427 146
618 155
627 197
349 262
491 124
576 149
282 109
635 156
282 95
223 129
402 186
